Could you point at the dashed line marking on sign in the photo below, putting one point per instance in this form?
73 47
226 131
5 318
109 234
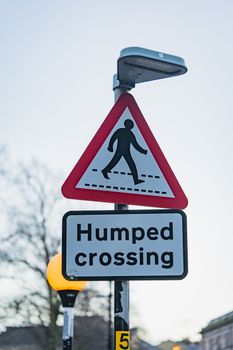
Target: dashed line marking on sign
124 173
125 188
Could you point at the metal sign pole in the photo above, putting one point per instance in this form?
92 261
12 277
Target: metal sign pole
121 288
121 308
110 316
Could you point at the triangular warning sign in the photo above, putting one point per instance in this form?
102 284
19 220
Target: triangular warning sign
124 164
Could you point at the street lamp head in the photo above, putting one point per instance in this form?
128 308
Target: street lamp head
137 65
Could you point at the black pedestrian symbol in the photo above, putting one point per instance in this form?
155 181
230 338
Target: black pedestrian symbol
125 138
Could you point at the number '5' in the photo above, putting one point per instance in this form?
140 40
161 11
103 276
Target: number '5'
124 338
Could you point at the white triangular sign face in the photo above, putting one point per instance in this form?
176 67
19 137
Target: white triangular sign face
124 164
121 175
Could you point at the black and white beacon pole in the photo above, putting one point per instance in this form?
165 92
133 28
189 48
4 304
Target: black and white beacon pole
68 298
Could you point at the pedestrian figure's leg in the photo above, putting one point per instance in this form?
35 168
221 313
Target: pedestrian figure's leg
111 164
133 168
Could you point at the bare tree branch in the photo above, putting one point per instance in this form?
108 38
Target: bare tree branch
27 245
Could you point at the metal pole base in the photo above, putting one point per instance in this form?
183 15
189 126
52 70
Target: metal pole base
67 344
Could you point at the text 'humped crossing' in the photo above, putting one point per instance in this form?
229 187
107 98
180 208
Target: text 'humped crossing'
121 234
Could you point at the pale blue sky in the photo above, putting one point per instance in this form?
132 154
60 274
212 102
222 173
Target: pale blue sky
56 66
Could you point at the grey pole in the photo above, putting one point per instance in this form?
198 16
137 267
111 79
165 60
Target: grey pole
110 316
121 288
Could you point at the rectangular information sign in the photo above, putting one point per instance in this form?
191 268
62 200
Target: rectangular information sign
130 244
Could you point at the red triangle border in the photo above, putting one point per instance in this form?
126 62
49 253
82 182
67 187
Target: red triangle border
69 189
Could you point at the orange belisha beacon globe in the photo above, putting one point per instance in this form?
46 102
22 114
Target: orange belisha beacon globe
56 279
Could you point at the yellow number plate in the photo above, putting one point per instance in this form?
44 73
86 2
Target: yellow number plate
122 340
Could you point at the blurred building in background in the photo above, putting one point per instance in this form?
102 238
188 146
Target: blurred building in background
218 334
91 332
